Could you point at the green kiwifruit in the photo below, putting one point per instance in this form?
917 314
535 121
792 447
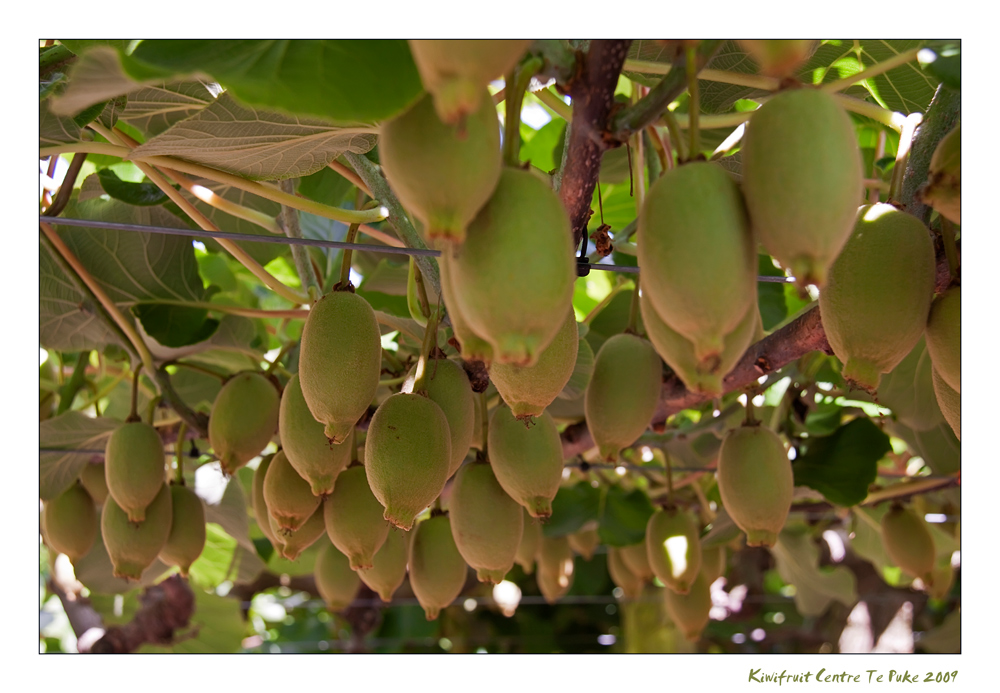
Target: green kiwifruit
779 57
622 394
689 611
340 358
909 543
673 548
244 419
697 254
442 174
354 519
527 459
944 185
878 294
291 544
486 522
531 540
944 337
309 451
456 72
407 456
134 546
636 559
289 499
187 529
942 578
388 566
260 513
472 346
802 178
555 568
69 522
94 480
755 482
621 575
447 385
133 467
678 351
335 580
584 542
713 562
529 390
437 569
516 301
949 401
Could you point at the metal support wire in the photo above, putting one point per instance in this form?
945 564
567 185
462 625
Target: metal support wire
254 238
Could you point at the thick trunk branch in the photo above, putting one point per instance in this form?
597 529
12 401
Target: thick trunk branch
165 608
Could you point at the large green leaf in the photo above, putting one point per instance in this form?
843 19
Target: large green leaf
908 391
68 432
624 517
139 194
938 446
797 559
572 508
841 466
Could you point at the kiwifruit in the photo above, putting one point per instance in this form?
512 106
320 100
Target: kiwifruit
779 57
260 513
878 294
407 455
713 562
486 522
308 450
944 185
531 540
802 179
621 575
437 569
622 394
478 440
516 301
555 568
336 582
289 499
697 253
94 480
133 546
69 522
527 460
944 337
472 346
354 519
442 174
908 542
133 467
755 482
388 566
678 351
949 401
456 72
187 529
291 544
673 548
527 391
340 358
689 611
244 419
942 578
636 559
447 385
584 542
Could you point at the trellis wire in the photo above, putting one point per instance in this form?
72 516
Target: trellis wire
195 233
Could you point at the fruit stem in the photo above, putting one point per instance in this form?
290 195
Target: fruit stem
902 153
484 406
674 132
418 279
345 260
751 420
516 83
179 453
950 249
691 65
707 514
426 349
132 415
656 163
633 309
151 408
670 478
300 254
393 361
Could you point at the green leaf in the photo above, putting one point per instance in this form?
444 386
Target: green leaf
212 567
68 432
946 638
866 536
947 67
55 128
175 326
583 369
572 508
797 559
909 392
624 517
770 295
938 446
326 186
343 81
140 194
230 513
81 46
89 114
841 466
542 149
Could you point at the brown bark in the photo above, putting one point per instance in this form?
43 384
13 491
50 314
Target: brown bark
165 608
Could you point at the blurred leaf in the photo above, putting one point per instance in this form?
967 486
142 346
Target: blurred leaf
212 567
576 386
770 295
797 560
544 146
230 513
723 531
908 391
938 446
624 517
326 186
947 67
70 431
572 508
866 539
946 638
95 572
841 466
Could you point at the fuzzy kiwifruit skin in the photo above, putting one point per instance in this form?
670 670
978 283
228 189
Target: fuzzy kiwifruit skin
944 185
529 390
622 575
878 294
340 358
527 459
388 566
335 580
555 568
697 253
466 165
778 57
636 559
622 393
949 401
689 611
132 546
291 544
309 451
944 337
908 542
289 499
584 542
456 72
133 467
531 540
260 513
755 482
437 569
802 179
354 519
244 419
448 386
187 529
678 351
516 301
486 522
407 456
667 525
69 522
472 346
94 480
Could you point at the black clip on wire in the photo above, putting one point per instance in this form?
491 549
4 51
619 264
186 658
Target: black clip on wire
583 262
